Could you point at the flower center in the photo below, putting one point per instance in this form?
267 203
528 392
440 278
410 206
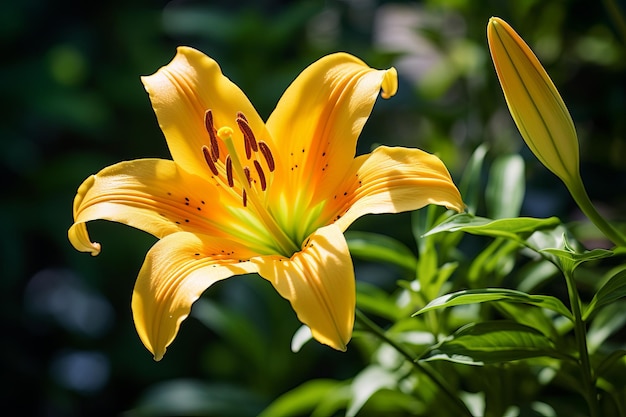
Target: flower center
247 178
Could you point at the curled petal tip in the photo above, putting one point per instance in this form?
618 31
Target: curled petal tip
390 83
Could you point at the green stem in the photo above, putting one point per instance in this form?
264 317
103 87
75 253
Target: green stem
578 192
581 340
376 330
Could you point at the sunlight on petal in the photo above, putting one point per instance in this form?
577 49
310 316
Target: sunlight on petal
393 180
177 270
182 91
319 283
148 194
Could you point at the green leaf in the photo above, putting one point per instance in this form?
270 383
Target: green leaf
232 326
300 338
572 259
374 300
470 181
380 248
367 383
612 290
509 228
186 397
302 399
496 294
505 189
606 323
492 342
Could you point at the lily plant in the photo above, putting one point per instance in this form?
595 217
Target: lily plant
241 195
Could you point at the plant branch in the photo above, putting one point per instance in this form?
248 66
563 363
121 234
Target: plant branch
380 333
581 340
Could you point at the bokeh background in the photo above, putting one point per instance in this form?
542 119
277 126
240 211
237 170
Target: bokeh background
72 103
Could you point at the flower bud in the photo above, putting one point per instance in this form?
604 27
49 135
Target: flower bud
534 102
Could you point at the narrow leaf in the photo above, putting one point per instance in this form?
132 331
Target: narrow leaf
493 342
496 294
509 228
505 189
377 247
301 400
367 383
612 290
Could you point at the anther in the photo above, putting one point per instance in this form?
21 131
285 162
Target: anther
244 197
246 171
267 154
229 171
248 135
209 160
261 174
210 128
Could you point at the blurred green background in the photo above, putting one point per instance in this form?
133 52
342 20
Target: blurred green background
73 103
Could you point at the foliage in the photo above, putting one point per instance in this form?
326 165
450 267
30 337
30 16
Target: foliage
489 311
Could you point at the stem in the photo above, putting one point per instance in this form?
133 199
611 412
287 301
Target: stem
578 192
581 340
376 330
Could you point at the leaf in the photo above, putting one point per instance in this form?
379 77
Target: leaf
608 363
376 301
376 247
367 383
505 189
232 326
606 323
492 342
612 290
570 259
300 338
470 181
496 294
509 228
186 397
302 399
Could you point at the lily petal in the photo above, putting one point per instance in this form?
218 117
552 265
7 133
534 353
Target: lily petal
318 119
182 91
393 180
319 283
148 194
176 271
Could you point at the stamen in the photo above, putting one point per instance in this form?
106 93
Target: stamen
246 171
244 196
267 154
229 171
261 174
209 160
210 128
248 135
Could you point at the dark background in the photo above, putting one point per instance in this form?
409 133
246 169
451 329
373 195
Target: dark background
72 103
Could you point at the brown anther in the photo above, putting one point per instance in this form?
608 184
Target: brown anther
261 174
246 171
210 128
267 154
229 171
209 160
244 196
248 135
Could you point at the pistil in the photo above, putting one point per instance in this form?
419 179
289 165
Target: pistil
286 245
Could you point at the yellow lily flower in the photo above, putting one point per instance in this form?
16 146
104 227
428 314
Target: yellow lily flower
243 196
534 102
